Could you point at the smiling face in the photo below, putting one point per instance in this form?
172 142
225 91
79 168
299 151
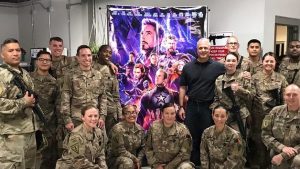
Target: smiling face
106 53
84 58
203 49
11 54
269 63
130 114
90 118
56 48
232 44
291 96
43 63
294 49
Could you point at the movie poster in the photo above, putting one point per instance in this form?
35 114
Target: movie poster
150 46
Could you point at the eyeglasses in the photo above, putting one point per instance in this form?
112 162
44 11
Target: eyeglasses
127 113
44 60
233 43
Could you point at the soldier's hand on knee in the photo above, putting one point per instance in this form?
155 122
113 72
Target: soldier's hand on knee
277 159
29 99
70 126
290 151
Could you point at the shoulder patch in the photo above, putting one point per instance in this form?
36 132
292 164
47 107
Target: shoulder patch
266 121
74 144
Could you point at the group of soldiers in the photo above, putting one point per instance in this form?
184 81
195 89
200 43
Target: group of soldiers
71 90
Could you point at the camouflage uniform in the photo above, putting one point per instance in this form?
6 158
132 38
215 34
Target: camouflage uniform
170 146
252 67
242 96
222 150
291 71
17 124
126 145
81 89
83 149
282 128
47 90
58 69
114 109
262 96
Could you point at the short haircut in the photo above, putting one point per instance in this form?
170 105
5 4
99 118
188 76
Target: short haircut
269 54
88 107
155 25
139 66
293 41
82 47
254 41
127 107
56 38
42 52
166 106
101 48
9 40
234 54
165 73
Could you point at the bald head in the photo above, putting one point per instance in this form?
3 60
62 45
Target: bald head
291 97
203 41
203 49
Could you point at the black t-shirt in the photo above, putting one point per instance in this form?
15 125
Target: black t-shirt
200 79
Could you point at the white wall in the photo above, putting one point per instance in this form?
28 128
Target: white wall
9 26
58 24
288 8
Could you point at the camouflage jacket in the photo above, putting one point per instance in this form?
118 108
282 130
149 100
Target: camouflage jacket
290 71
84 149
281 128
112 91
47 90
81 89
252 67
222 150
264 88
15 117
127 141
242 96
169 146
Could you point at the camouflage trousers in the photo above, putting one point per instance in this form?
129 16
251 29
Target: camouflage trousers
121 163
17 151
110 121
186 165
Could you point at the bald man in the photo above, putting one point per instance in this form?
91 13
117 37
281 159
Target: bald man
281 130
197 82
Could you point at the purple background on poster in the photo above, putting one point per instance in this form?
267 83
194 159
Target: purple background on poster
188 24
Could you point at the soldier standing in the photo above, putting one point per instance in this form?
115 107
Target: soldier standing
126 142
290 65
221 146
240 86
281 132
17 120
47 90
114 111
169 143
268 91
82 86
85 146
